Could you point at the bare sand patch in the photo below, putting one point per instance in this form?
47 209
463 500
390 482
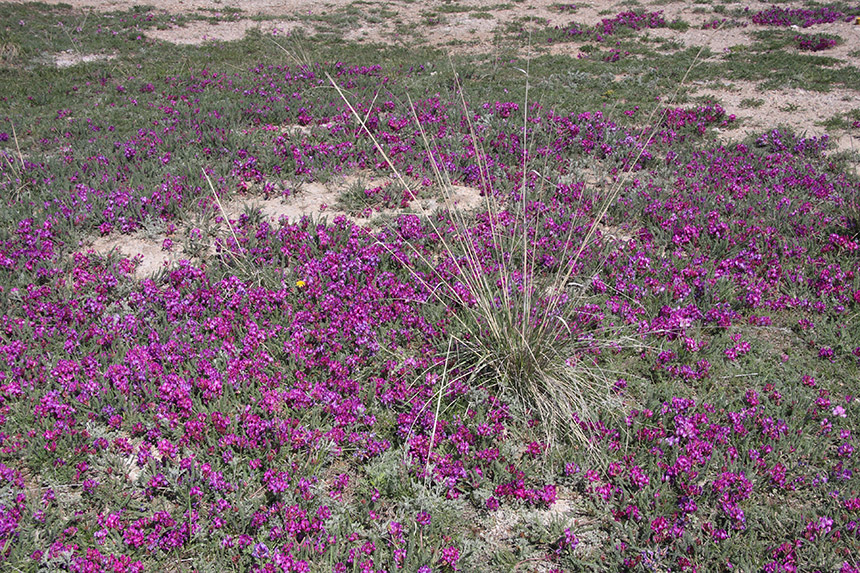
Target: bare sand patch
314 199
147 250
69 58
200 31
503 526
455 197
801 109
717 41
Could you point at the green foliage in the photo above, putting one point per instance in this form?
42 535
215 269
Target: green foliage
529 340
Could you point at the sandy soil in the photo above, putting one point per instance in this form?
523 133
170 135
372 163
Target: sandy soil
314 200
477 31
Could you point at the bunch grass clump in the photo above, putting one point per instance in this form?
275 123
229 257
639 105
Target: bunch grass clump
523 325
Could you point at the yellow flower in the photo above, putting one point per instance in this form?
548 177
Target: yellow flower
301 284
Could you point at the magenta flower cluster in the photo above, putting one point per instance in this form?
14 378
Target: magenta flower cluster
803 17
608 27
814 43
236 404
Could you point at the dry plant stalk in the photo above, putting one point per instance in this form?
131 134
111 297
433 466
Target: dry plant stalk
223 212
